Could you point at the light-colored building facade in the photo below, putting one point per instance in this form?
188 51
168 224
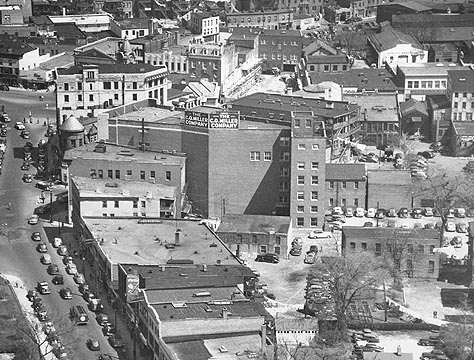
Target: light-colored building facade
460 91
206 25
174 58
89 89
270 20
302 7
88 23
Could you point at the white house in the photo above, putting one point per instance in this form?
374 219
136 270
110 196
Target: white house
395 48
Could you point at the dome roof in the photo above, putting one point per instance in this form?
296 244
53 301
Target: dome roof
71 124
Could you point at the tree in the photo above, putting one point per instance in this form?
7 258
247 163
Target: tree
349 277
443 192
318 349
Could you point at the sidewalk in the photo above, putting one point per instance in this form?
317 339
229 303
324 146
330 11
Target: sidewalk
19 289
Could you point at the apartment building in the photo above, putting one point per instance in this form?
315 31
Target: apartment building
460 89
89 89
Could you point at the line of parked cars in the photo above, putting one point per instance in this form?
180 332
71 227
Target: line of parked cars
416 213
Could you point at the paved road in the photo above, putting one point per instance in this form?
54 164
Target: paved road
17 250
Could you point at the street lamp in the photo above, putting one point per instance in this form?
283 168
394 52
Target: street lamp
83 265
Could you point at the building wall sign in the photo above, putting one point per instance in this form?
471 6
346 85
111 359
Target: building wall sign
193 118
220 120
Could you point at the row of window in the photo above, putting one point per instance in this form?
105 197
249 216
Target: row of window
300 180
278 56
301 165
343 202
67 98
117 203
204 65
134 215
108 85
343 184
379 126
463 105
420 249
240 239
327 67
459 116
312 209
464 94
303 146
169 63
436 84
313 222
255 156
110 174
300 195
269 19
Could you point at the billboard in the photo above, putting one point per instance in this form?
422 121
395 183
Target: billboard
133 282
218 120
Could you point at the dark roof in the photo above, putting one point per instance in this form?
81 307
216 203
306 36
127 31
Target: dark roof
113 69
172 276
327 59
410 5
69 31
262 104
95 53
41 20
189 295
379 233
254 224
413 106
345 172
444 47
11 46
438 20
135 23
437 102
387 356
463 128
280 33
390 38
368 79
389 177
461 80
192 350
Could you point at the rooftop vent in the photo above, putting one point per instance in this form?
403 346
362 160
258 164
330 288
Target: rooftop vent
125 153
100 148
462 79
112 185
329 105
179 304
126 192
202 294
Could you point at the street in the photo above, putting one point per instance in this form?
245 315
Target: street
19 256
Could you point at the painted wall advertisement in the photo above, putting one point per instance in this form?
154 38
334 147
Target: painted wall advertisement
220 120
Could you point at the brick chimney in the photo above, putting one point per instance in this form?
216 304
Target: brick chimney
399 350
225 313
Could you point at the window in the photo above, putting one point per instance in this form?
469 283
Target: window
277 250
331 185
432 247
344 185
300 166
314 208
343 202
313 222
135 204
456 94
134 85
129 172
431 265
356 184
314 180
285 156
66 98
79 97
464 94
352 246
364 246
420 249
277 240
66 87
143 203
168 175
284 186
410 84
301 146
267 156
104 204
331 202
308 123
300 209
117 174
283 199
91 97
107 85
134 97
297 123
153 174
389 248
116 85
284 141
104 215
299 221
326 67
410 268
142 174
378 249
300 179
314 195
90 74
110 174
255 156
116 204
314 165
300 195
284 172
263 249
410 248
79 86
101 174
334 68
315 147
356 202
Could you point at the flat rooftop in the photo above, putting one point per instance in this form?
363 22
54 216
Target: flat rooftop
429 68
188 295
389 177
150 114
122 153
254 224
152 241
110 188
377 233
377 107
206 349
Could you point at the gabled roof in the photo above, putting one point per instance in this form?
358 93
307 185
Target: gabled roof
390 38
409 5
345 172
69 31
95 53
318 45
413 106
463 128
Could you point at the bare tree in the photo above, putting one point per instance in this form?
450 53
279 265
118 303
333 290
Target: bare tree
318 349
349 277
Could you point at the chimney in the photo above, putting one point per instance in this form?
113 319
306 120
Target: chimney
64 11
399 350
204 267
176 238
237 251
225 313
162 268
263 330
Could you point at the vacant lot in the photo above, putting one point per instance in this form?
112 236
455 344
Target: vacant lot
9 313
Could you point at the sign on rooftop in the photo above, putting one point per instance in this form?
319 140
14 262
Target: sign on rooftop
218 120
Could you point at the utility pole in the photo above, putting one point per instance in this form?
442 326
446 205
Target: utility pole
50 206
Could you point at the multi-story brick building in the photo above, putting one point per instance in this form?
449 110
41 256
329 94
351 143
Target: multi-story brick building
346 185
88 89
411 250
302 7
120 9
460 90
110 163
269 20
206 25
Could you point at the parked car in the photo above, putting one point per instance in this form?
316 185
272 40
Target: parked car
360 212
57 242
450 226
431 341
318 234
93 344
33 220
428 212
108 328
460 213
450 213
371 347
403 213
102 318
470 213
426 154
349 212
67 260
25 134
66 293
36 236
53 269
429 225
370 213
270 258
32 294
62 250
58 280
27 178
392 212
116 342
337 211
368 224
45 259
19 125
310 257
41 247
461 228
71 268
43 288
416 213
456 241
79 278
435 354
295 251
380 214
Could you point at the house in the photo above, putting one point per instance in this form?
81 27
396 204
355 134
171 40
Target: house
379 125
119 9
393 48
414 118
135 28
87 23
194 93
173 57
346 185
256 234
390 189
460 91
414 249
302 8
327 63
459 138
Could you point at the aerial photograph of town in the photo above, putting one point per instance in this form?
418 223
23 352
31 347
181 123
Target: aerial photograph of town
236 179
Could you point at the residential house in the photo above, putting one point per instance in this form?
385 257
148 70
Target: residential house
346 185
460 90
269 20
320 57
414 118
393 48
187 95
136 28
11 15
173 57
416 256
246 235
